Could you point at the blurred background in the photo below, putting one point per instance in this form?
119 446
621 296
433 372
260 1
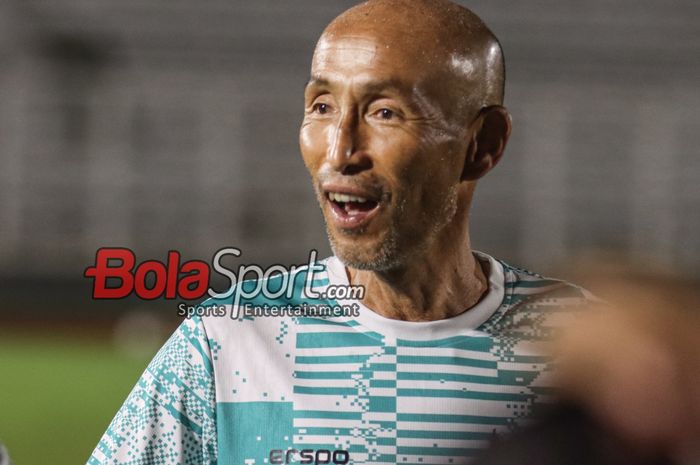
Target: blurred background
161 125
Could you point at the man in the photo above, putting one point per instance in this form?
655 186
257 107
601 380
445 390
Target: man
403 114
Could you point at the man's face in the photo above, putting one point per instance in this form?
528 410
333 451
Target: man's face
384 159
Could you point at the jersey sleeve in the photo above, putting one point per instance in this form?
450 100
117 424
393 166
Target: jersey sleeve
170 415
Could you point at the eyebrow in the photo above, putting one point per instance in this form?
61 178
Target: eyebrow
316 82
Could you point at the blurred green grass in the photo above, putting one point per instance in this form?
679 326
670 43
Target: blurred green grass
58 395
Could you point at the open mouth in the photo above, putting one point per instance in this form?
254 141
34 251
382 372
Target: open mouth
352 211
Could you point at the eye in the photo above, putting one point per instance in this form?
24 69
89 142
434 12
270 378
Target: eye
321 108
385 113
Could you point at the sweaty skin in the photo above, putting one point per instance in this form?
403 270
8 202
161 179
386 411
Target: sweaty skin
402 116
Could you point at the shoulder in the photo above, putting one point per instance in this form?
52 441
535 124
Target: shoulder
173 401
524 284
538 304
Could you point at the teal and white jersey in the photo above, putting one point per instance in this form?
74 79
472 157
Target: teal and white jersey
351 389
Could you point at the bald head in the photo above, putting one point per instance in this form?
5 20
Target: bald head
403 111
445 40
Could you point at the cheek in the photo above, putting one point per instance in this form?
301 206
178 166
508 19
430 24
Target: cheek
442 167
313 145
416 166
429 176
397 157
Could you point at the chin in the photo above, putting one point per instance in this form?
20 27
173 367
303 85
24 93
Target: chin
363 254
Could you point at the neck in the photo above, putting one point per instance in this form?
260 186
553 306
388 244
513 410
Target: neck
456 281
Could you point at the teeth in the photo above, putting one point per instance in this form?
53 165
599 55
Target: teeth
345 198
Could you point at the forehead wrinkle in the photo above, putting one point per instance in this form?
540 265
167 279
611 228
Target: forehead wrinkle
329 36
389 84
368 85
346 47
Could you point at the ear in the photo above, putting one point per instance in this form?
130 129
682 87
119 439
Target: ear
489 135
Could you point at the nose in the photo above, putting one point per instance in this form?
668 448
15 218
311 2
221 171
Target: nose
346 153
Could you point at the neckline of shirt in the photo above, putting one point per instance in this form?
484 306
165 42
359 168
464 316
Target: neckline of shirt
459 325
